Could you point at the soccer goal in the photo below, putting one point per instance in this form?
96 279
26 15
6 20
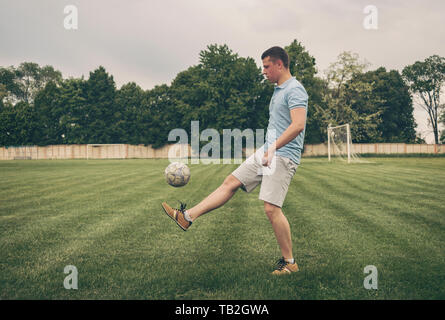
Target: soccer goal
340 144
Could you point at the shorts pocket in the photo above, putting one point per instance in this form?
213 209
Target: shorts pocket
291 166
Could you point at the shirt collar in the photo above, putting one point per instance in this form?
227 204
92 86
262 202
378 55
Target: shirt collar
285 83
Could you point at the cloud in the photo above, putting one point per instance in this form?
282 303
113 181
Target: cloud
149 42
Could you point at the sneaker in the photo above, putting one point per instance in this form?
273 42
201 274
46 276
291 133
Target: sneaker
284 267
177 215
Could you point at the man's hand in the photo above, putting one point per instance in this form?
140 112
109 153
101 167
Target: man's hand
268 155
298 116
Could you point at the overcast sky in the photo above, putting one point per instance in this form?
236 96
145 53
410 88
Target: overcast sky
150 41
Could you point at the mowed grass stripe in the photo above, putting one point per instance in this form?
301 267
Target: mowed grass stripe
227 231
400 245
69 218
127 248
386 186
402 199
346 216
50 181
333 248
84 182
399 191
57 190
87 195
55 213
364 217
389 172
49 262
402 202
323 208
38 170
84 241
186 253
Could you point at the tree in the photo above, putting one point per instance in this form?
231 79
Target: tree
18 125
442 120
348 65
47 106
8 125
397 119
426 79
128 101
9 89
347 99
302 65
100 108
23 83
224 91
160 113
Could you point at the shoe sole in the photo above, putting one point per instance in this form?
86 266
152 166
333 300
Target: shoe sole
288 272
173 219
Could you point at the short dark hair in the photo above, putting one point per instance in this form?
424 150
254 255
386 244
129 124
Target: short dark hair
277 53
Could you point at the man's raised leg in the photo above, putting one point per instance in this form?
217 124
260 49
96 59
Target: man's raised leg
217 198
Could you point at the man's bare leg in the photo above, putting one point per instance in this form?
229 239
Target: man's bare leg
281 228
217 198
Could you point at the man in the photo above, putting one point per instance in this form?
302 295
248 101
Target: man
281 157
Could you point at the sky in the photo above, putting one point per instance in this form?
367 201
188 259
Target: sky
149 42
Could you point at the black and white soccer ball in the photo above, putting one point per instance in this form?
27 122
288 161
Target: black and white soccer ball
177 174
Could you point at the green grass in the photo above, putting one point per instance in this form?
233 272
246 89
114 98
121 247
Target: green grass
105 218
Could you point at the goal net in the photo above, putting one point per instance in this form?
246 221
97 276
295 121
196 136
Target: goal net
340 144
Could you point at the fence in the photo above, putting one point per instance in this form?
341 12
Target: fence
83 151
126 151
379 148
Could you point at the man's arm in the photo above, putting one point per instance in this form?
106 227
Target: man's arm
298 117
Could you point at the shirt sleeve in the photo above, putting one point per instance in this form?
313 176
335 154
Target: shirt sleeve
297 98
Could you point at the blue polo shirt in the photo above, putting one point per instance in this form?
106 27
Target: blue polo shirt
287 96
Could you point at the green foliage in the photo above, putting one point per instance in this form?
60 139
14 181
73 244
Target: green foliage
393 99
302 66
223 91
24 82
426 80
376 104
347 99
128 101
100 113
442 120
159 115
18 125
8 126
301 63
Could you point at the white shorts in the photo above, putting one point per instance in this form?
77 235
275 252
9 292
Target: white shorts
274 180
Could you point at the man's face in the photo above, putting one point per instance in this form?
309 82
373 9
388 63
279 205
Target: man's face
271 70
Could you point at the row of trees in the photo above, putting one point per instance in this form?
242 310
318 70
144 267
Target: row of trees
223 91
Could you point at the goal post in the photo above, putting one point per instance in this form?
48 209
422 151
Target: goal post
340 142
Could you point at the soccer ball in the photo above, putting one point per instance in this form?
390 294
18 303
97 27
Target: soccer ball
177 174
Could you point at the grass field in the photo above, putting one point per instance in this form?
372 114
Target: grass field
105 218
